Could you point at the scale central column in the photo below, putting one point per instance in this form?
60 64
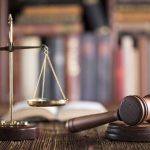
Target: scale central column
10 22
11 86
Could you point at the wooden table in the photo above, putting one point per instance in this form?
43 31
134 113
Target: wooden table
53 136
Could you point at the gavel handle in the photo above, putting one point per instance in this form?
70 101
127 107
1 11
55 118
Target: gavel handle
90 121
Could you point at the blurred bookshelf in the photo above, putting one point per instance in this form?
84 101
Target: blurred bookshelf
100 48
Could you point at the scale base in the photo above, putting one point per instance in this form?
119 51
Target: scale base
17 131
121 132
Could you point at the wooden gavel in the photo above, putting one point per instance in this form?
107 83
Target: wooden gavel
133 110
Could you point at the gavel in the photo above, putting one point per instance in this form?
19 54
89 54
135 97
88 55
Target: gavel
133 110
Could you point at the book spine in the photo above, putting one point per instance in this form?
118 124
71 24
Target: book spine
133 1
56 45
29 66
118 74
4 90
142 42
88 57
47 2
46 30
132 17
148 64
72 67
111 7
130 65
133 27
48 19
17 72
132 8
53 9
104 68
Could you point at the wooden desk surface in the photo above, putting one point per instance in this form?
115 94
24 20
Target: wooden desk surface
53 136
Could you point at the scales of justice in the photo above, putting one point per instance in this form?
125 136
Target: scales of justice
22 130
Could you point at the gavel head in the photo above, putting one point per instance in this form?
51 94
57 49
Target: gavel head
133 110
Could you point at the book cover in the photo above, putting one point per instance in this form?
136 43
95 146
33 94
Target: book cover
17 72
133 27
104 68
4 90
118 73
56 45
72 67
142 42
52 9
48 29
49 19
29 64
148 64
130 65
88 57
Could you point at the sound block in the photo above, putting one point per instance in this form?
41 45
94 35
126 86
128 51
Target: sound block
18 133
121 132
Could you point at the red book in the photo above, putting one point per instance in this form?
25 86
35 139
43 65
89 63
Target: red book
118 75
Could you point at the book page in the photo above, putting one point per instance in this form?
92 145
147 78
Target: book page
79 108
22 110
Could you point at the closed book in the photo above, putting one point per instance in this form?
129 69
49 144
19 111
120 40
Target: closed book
111 7
72 67
74 9
42 2
48 19
133 1
46 30
56 45
133 27
131 66
148 65
88 57
104 68
142 42
4 83
132 16
17 72
29 66
132 8
118 72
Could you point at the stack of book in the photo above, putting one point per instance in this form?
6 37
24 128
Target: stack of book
50 19
132 16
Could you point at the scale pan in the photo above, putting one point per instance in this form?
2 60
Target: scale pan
38 102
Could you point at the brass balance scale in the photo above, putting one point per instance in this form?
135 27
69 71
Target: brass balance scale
22 130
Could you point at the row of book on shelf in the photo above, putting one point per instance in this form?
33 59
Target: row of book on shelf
132 16
86 65
59 19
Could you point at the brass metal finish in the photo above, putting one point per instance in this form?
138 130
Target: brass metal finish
4 123
21 130
10 22
46 102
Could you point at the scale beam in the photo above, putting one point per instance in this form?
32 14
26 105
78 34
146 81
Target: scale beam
7 48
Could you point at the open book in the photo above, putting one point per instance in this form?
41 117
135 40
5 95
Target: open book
22 111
